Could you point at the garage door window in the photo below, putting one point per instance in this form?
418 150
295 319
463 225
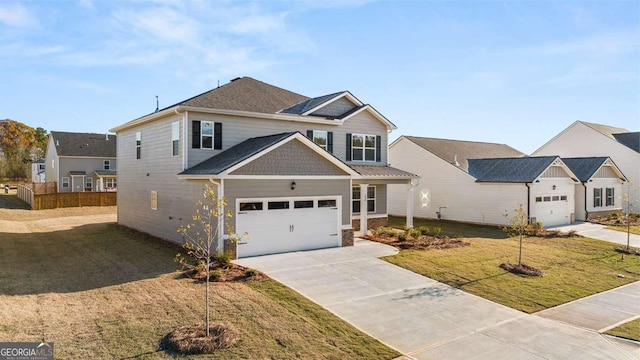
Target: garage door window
251 206
278 205
303 204
326 203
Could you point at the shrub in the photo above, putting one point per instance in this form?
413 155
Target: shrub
424 230
215 275
250 272
436 231
223 258
402 237
414 233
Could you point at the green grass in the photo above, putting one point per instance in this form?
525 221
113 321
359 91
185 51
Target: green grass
573 267
635 229
629 330
452 228
99 291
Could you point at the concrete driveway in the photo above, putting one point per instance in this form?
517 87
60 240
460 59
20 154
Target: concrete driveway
597 231
425 319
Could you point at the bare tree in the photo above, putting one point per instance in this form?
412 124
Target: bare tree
202 237
518 226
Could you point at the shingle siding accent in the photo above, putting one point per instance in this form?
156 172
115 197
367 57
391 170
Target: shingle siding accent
335 109
292 158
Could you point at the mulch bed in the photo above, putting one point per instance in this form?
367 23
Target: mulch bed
422 243
192 339
225 273
521 269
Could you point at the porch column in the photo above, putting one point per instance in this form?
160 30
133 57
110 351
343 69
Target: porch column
363 209
409 212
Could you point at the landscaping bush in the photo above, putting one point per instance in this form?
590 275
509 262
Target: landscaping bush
414 233
192 339
251 272
223 258
402 237
424 230
436 231
521 269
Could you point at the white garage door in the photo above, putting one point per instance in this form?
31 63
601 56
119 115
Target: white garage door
552 210
277 225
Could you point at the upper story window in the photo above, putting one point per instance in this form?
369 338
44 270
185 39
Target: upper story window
206 135
597 197
610 198
138 145
364 147
175 138
65 182
107 165
322 138
41 167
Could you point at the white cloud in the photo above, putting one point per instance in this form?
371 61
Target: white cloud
16 15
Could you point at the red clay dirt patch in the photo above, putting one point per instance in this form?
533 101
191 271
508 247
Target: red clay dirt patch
193 339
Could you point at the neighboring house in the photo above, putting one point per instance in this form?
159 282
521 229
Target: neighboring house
38 171
81 161
583 139
456 185
600 191
297 173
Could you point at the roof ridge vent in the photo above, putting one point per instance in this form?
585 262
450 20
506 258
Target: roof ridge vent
234 79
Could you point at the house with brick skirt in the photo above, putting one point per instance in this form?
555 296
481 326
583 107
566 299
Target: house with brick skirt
586 139
479 182
298 173
81 161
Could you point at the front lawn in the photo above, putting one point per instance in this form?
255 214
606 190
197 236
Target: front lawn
573 268
99 291
630 330
451 228
632 229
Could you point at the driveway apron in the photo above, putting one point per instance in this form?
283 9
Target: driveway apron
600 232
422 318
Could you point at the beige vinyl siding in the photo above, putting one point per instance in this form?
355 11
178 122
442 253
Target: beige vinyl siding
579 140
335 108
238 129
176 198
449 188
241 188
86 164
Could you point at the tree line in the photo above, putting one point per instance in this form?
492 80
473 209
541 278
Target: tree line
20 145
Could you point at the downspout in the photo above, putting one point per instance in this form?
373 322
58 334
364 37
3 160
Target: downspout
220 196
528 202
586 212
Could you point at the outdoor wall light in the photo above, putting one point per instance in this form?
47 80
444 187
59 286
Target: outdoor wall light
293 185
553 187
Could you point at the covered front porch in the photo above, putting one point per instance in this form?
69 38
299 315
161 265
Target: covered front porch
369 196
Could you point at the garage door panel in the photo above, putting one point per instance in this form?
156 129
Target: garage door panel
552 211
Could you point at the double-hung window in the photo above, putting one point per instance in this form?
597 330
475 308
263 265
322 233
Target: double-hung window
597 197
138 145
175 138
610 198
206 135
65 182
88 184
356 202
110 183
363 147
322 138
106 165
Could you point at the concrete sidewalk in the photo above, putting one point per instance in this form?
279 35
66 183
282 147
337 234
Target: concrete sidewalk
422 318
597 231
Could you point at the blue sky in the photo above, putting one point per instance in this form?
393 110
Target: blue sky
514 72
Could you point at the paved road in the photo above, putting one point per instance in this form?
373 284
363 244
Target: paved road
597 231
425 319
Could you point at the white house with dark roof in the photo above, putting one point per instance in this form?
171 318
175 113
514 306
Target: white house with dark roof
81 161
298 173
601 187
481 182
584 139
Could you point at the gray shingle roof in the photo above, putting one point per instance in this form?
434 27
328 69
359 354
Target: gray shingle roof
382 171
630 140
511 170
84 144
462 151
245 94
304 106
584 167
236 154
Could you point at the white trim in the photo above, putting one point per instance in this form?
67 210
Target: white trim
375 113
347 227
346 94
88 157
185 145
371 216
558 162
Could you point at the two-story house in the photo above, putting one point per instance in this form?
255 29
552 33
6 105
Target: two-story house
81 161
298 173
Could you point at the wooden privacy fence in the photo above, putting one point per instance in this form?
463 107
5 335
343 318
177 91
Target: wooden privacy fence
73 199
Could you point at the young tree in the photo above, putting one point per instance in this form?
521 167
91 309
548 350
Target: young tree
202 237
518 225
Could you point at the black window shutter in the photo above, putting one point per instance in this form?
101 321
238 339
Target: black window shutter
195 132
348 147
310 134
378 146
217 136
330 141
